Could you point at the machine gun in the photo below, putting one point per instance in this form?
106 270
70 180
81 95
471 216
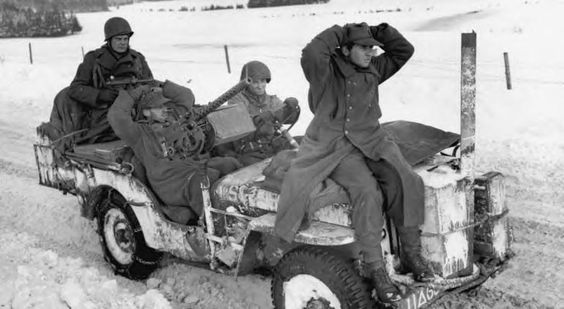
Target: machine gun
130 82
192 135
202 112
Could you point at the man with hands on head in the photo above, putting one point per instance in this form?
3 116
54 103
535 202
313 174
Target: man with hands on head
345 142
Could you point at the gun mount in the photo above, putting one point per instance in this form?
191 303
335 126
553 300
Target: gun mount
193 135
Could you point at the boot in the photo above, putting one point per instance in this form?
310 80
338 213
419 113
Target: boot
410 239
197 240
386 291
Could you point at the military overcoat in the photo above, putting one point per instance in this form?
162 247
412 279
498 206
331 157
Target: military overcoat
344 101
99 66
171 179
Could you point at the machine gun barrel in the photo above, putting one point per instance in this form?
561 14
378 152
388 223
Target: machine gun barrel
213 105
129 81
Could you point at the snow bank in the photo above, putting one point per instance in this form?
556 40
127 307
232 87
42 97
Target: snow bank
39 278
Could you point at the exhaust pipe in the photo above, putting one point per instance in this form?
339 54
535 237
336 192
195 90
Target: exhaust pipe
468 105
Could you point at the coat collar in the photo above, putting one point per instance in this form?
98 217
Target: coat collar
109 59
348 69
256 100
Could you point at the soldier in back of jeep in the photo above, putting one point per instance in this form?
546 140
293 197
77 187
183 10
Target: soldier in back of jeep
79 110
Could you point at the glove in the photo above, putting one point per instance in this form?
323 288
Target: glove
264 122
346 37
292 103
380 32
290 111
263 118
137 92
106 96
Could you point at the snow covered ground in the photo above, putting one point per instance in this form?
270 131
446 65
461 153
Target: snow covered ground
50 256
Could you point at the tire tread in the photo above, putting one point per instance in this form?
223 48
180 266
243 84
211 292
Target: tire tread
353 289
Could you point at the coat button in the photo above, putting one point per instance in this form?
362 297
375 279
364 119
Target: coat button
350 107
348 119
348 95
346 131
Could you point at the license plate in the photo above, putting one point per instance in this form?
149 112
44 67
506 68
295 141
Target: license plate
418 297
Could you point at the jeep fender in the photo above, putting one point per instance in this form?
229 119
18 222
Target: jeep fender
263 247
316 234
159 233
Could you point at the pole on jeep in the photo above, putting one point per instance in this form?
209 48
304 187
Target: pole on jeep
468 105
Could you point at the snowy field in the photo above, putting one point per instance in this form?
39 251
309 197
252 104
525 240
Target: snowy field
50 256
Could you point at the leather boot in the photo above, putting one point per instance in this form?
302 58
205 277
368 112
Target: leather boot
386 291
410 239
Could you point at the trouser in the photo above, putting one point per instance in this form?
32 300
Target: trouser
192 210
253 157
373 187
216 167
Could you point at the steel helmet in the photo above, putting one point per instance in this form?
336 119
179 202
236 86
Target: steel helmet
116 26
255 70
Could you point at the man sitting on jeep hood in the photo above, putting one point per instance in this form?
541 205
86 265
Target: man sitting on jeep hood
173 177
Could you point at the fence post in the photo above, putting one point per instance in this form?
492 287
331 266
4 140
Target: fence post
507 72
227 59
30 54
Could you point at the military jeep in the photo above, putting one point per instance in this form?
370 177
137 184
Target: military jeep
466 235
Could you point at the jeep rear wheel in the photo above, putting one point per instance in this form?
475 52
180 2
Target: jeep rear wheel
122 240
312 278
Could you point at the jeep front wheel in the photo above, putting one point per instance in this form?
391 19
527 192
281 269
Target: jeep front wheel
122 240
312 278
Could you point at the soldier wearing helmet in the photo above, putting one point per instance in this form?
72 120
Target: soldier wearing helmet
114 61
268 113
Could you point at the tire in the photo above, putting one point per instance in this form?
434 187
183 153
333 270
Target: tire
122 240
310 277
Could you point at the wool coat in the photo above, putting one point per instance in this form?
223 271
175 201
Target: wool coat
176 181
97 68
345 104
263 143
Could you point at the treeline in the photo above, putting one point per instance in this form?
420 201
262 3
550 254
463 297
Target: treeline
119 2
28 22
59 5
267 3
222 7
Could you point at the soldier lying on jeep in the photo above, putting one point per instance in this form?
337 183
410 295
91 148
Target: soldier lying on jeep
175 159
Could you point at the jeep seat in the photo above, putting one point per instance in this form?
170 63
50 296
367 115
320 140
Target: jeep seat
112 152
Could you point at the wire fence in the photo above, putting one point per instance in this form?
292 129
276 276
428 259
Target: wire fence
489 70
